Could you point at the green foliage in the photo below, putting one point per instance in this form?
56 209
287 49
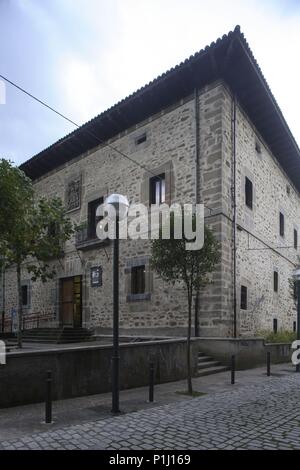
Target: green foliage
173 263
29 230
282 336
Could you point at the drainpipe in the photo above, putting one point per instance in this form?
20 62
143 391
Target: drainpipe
234 205
197 188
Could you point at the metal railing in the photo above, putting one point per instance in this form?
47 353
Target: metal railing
31 321
85 237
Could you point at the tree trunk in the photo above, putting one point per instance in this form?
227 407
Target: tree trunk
20 309
189 372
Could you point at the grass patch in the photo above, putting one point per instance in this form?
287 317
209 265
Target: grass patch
194 394
282 336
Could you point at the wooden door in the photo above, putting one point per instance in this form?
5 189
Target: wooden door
70 302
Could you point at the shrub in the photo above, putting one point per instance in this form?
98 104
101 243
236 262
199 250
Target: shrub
282 336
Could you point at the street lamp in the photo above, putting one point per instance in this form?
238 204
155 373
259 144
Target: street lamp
120 206
296 276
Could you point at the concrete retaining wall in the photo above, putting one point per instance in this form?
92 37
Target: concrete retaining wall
86 370
249 352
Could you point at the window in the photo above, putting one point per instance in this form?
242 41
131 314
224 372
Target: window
141 138
248 193
257 147
275 283
295 239
157 189
93 219
243 297
138 280
281 224
295 290
275 325
294 326
24 296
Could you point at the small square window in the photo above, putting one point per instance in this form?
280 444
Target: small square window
248 193
138 280
141 138
275 281
281 224
244 295
157 189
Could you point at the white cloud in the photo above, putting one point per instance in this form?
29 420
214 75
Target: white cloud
102 51
145 38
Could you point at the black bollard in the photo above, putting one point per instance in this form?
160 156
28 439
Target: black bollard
268 363
151 382
48 402
232 370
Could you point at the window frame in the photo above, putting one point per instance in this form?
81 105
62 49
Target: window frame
25 304
138 286
160 181
92 218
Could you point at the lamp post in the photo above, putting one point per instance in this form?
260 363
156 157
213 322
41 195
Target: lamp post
297 280
120 206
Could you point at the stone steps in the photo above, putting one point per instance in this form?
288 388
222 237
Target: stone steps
57 335
207 365
212 370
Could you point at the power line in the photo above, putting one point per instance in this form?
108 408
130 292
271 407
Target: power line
101 141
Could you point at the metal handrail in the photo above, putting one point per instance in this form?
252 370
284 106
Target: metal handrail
32 319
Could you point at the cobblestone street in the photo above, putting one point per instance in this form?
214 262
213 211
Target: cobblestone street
256 416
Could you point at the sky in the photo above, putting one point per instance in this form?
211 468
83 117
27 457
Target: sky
83 56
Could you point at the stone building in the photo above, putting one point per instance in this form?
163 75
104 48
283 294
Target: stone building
212 132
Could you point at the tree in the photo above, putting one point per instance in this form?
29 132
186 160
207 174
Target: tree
173 263
30 230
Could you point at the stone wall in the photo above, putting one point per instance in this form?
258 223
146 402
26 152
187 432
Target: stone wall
87 370
170 147
260 248
249 352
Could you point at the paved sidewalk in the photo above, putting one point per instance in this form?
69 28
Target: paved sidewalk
256 412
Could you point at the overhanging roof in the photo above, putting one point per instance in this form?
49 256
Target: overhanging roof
229 58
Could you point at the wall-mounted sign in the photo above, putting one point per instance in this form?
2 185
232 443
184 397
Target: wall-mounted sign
96 276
